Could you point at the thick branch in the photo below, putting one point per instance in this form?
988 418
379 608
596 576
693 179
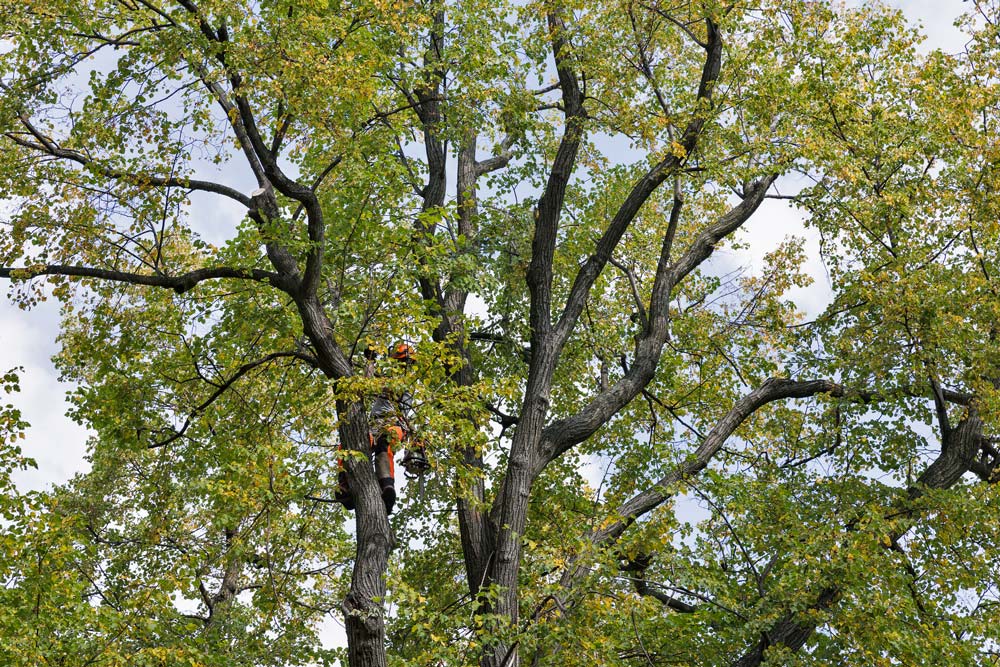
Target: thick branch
244 123
427 104
220 95
563 434
772 390
704 245
788 632
498 161
643 189
638 566
550 204
643 588
958 450
179 284
475 534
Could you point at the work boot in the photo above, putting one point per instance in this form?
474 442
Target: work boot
343 493
384 473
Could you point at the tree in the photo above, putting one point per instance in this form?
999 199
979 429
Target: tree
567 305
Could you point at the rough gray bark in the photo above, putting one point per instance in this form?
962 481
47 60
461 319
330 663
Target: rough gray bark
363 607
787 632
537 442
474 532
509 513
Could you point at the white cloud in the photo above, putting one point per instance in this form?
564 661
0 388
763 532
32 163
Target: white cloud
27 339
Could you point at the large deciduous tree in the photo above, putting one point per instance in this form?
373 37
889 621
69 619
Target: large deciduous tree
233 199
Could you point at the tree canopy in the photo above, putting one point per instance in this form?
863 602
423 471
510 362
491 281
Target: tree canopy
233 199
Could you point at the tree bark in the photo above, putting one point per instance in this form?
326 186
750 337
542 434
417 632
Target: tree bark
535 445
364 608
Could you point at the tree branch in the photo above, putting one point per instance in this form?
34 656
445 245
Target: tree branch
498 161
958 450
550 204
638 566
563 434
773 389
594 266
224 386
49 147
179 284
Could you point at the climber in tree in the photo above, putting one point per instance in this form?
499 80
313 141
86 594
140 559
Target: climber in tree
389 422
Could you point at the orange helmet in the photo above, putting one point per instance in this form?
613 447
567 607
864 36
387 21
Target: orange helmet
401 352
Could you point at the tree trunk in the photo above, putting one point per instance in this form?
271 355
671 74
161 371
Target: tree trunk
510 515
364 606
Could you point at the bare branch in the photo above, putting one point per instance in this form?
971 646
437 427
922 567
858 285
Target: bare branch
48 146
224 386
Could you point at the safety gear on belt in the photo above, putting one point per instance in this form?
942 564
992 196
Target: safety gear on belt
415 460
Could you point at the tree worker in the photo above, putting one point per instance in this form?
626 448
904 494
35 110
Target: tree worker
389 423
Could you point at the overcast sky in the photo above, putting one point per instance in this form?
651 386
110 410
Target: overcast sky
27 338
